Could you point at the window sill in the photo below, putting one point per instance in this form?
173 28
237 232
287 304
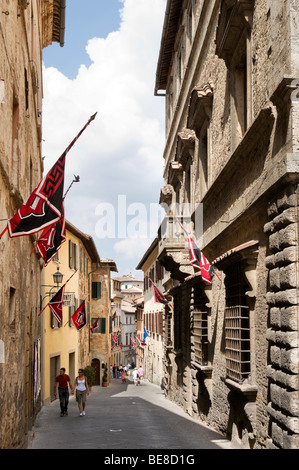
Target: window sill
248 390
178 352
205 369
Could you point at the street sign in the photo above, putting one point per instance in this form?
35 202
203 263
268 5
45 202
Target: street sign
69 299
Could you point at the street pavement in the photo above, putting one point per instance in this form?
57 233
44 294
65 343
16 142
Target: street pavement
121 417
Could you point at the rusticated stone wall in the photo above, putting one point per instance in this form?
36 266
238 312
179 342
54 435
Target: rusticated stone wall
282 335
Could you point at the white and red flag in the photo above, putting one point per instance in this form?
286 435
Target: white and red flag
199 261
197 258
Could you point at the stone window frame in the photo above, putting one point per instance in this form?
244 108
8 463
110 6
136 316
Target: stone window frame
169 101
180 58
189 21
199 118
168 337
233 39
245 255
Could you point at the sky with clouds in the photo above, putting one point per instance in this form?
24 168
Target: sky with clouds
108 65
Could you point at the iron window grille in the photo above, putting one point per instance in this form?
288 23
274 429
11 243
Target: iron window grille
201 337
237 325
237 342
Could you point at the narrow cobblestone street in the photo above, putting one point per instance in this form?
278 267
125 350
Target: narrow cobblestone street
123 416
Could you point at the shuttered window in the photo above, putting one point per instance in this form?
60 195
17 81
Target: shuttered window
96 290
100 325
72 255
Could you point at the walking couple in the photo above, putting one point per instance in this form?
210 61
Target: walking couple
82 389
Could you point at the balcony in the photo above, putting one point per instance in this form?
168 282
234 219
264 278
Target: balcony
173 251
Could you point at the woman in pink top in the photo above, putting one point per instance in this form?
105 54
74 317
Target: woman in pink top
140 374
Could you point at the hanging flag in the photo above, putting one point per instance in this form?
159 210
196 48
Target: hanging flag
79 317
51 240
56 304
53 236
94 325
44 206
197 258
145 335
199 261
134 344
158 296
139 340
114 316
115 337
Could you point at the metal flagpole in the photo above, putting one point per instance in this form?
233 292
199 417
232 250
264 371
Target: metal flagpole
58 291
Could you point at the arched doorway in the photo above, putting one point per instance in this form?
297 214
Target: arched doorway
97 366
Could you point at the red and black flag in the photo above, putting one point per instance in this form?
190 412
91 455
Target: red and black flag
114 316
53 236
158 296
44 206
79 317
199 261
56 304
94 326
51 240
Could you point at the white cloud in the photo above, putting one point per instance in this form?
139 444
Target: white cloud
121 151
130 249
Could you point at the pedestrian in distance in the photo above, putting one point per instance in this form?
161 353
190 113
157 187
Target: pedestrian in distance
135 376
64 382
123 376
140 374
82 389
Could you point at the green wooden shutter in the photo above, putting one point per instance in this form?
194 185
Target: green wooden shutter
96 290
70 254
103 325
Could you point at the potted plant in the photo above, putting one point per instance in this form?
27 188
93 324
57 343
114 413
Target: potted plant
105 376
90 373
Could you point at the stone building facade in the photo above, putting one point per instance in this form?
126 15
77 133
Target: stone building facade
25 29
116 299
62 345
101 315
229 72
153 313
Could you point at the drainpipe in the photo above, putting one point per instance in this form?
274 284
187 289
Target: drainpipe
164 31
62 22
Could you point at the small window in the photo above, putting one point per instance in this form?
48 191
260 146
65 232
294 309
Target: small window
12 310
96 290
2 91
201 343
237 326
189 23
72 255
100 325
